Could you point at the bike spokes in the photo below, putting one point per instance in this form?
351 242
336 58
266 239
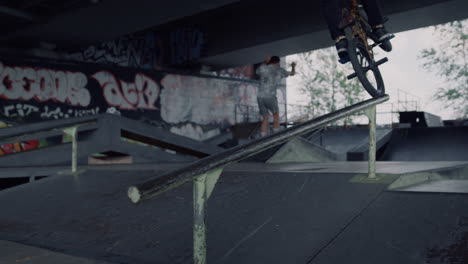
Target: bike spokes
366 69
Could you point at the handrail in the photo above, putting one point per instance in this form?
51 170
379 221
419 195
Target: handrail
175 178
22 129
89 126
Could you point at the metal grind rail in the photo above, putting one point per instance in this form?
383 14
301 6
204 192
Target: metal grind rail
205 172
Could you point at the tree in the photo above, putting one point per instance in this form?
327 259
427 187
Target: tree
449 60
325 83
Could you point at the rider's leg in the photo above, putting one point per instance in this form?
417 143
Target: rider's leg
332 12
263 111
374 12
276 122
264 127
376 20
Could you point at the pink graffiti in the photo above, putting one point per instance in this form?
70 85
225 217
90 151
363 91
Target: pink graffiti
40 84
142 94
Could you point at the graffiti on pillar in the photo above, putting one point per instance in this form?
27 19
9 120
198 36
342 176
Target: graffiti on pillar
144 51
186 45
149 50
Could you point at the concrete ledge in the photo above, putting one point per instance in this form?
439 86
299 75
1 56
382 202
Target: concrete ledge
110 160
300 150
458 173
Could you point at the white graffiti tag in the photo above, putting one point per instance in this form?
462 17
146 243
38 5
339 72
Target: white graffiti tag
20 110
58 112
142 94
23 83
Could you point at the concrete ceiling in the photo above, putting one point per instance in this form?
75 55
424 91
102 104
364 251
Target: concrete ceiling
238 32
75 23
300 27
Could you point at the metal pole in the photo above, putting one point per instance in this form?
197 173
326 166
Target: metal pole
286 115
391 113
406 101
202 188
74 149
398 100
235 114
72 132
371 114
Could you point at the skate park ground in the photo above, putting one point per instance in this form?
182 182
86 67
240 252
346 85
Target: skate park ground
269 213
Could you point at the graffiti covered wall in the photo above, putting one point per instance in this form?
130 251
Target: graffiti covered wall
193 106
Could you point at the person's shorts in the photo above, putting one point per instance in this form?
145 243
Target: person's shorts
267 104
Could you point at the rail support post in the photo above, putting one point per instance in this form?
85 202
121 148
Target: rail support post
371 114
203 186
72 132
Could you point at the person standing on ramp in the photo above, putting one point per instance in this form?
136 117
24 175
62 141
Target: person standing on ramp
271 75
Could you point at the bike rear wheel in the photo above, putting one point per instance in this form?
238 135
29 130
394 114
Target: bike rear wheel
364 65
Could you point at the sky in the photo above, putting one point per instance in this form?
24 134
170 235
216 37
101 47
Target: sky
403 75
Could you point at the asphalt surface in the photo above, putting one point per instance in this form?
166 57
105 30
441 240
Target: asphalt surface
253 217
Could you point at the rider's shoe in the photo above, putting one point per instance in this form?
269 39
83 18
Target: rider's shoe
342 48
383 37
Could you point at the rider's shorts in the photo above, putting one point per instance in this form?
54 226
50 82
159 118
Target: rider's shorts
266 104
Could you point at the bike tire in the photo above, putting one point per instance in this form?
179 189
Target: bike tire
357 48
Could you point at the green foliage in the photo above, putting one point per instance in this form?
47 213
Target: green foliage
449 60
324 81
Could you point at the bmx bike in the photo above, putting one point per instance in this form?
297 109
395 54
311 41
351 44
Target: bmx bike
358 32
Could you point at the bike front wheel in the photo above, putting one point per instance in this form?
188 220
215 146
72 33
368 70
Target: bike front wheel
365 67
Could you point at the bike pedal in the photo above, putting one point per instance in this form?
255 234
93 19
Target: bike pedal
343 61
380 62
352 76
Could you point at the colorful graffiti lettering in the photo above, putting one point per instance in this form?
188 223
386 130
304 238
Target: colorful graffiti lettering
18 147
142 94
